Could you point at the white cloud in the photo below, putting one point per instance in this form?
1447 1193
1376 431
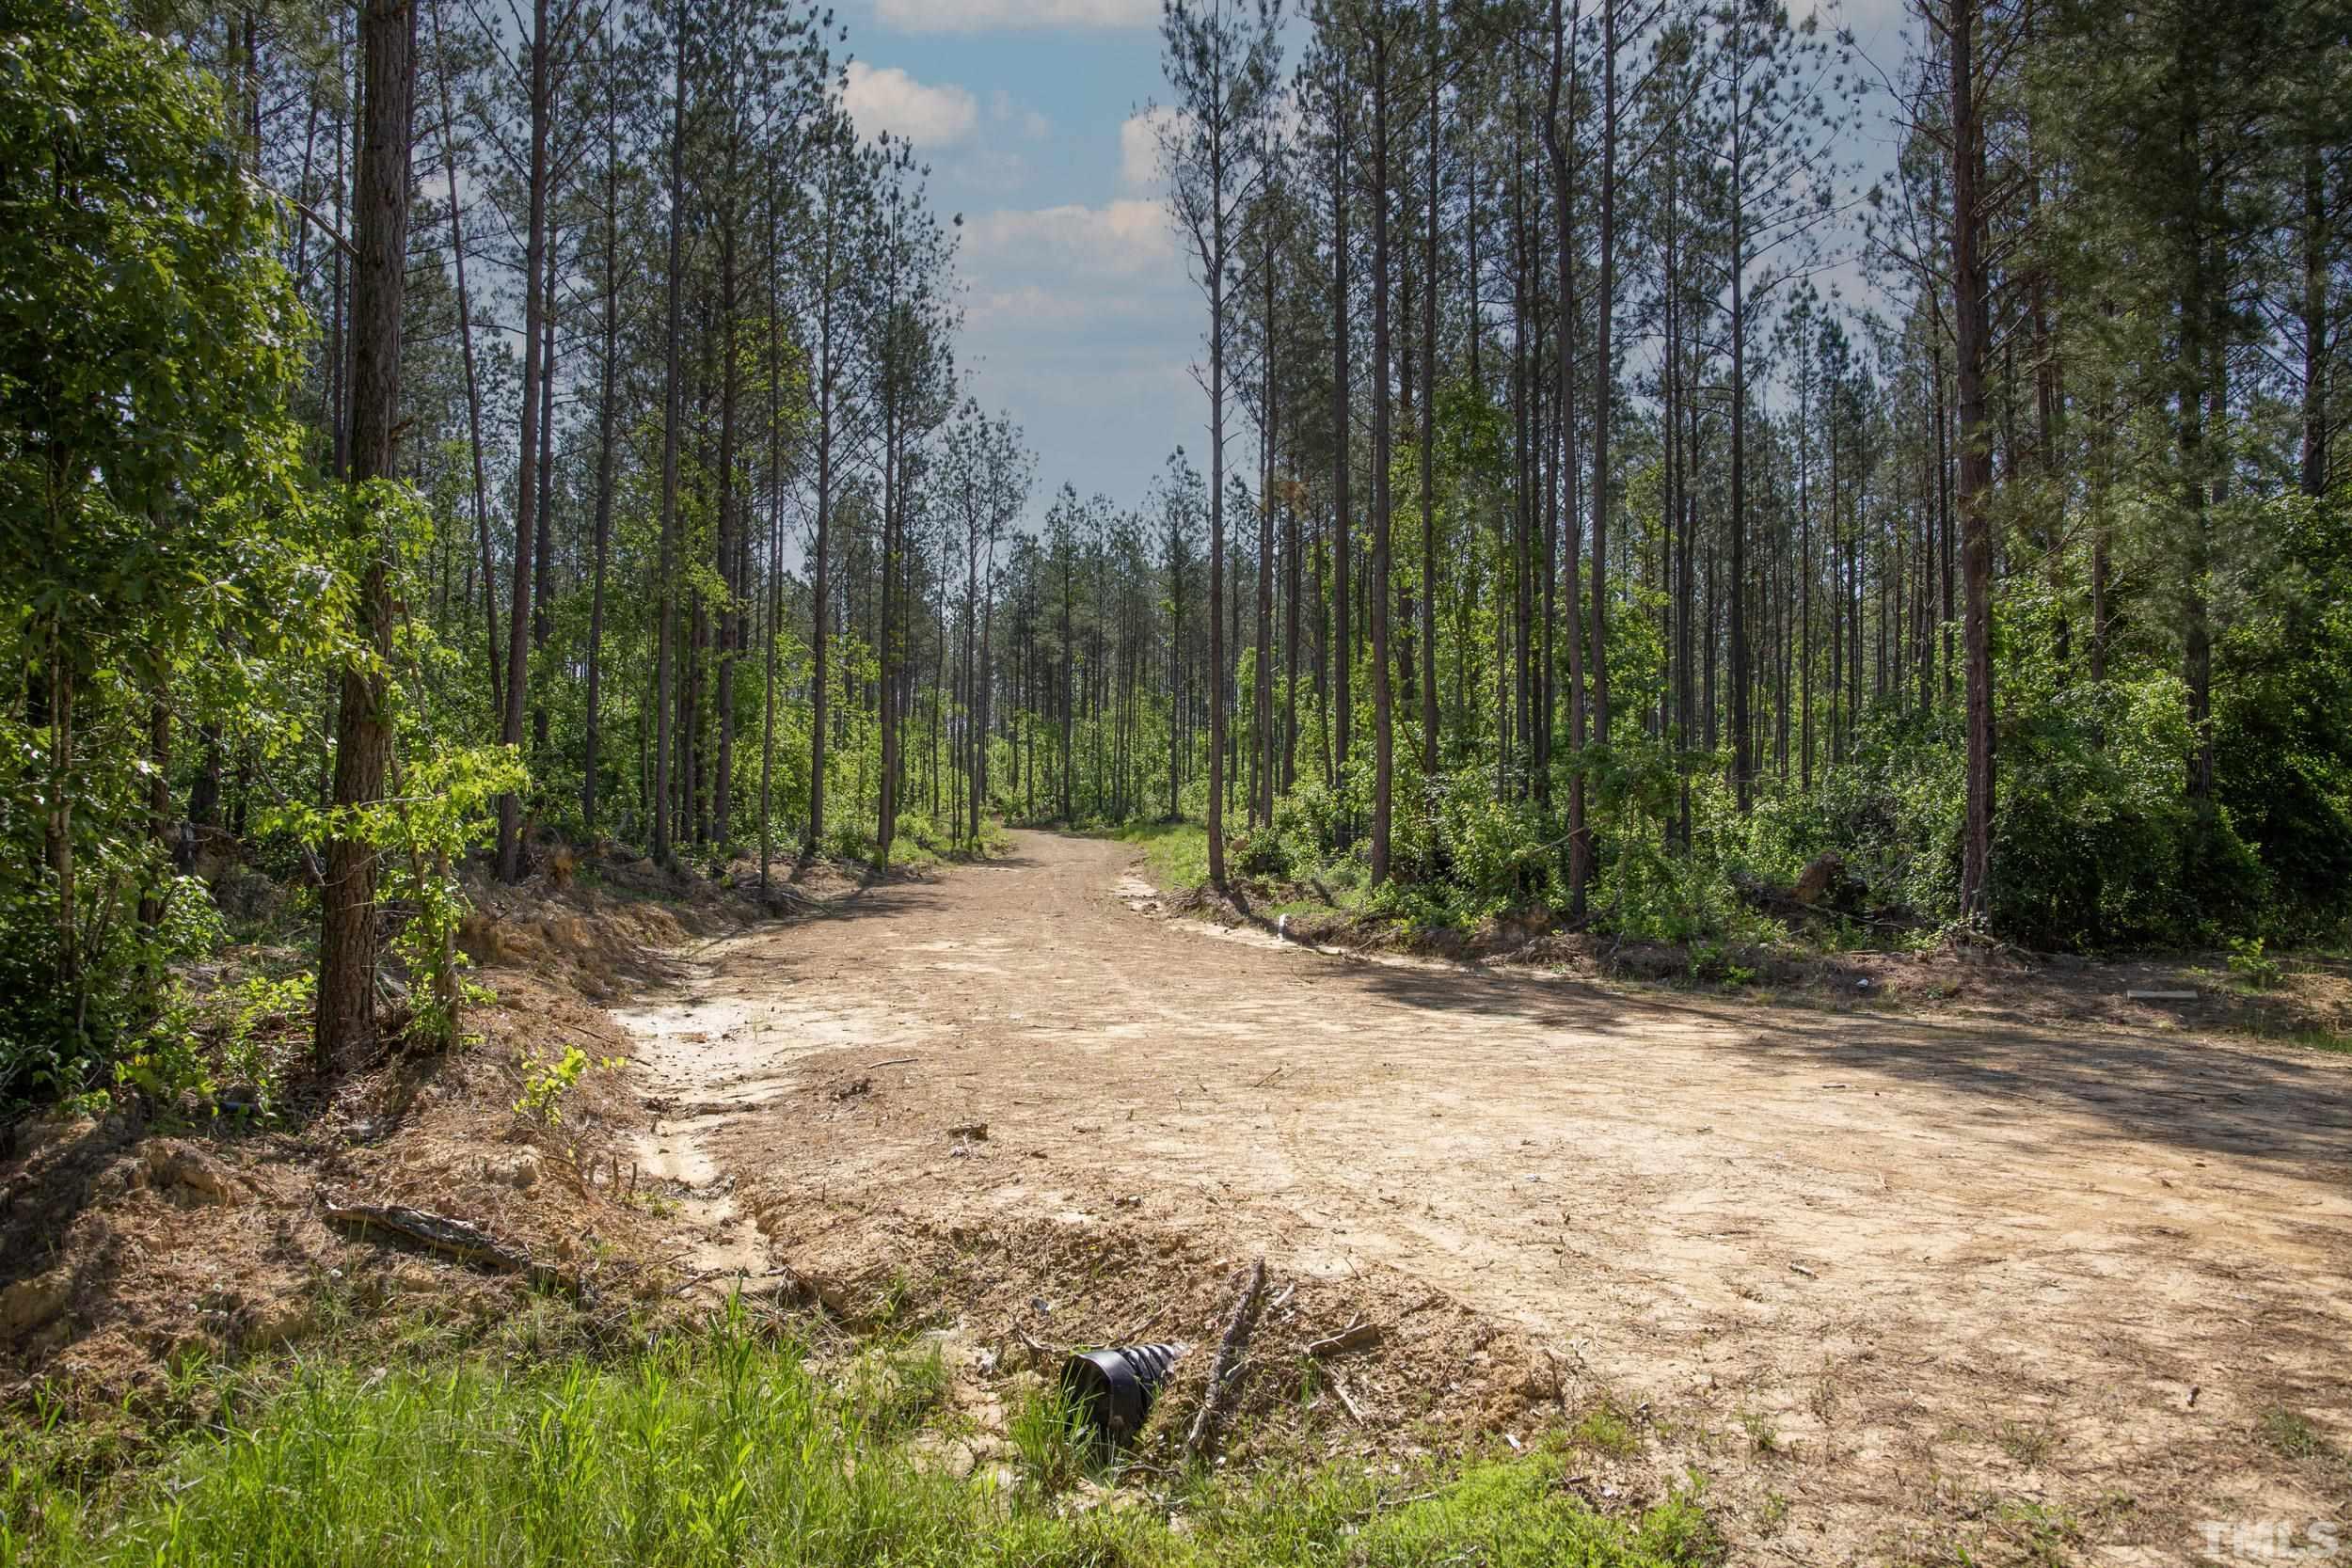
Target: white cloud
1005 109
1121 239
987 170
1139 145
1091 325
887 99
974 16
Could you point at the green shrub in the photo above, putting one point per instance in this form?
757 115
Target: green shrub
2249 963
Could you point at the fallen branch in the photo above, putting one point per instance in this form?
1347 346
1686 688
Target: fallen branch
1354 1337
453 1238
1225 1372
1341 1390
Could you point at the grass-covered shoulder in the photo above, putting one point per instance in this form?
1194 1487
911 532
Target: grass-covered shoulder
728 1445
1826 956
1175 853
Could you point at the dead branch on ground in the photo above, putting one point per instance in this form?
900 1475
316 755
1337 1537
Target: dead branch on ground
1225 1372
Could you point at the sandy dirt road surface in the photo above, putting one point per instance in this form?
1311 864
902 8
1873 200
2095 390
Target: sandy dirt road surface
1894 1285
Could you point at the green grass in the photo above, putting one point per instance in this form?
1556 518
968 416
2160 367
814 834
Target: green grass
2320 1039
1605 1430
1175 854
721 1447
1176 859
2292 1436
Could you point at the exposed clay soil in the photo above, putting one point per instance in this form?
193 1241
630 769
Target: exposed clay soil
1897 1285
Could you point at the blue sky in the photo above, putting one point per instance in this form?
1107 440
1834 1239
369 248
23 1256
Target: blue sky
1080 321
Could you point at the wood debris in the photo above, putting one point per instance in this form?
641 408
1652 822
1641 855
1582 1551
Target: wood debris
1225 1372
453 1238
1359 1336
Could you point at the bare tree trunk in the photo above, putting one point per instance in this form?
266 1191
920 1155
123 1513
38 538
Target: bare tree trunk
1290 638
2315 323
346 989
473 394
672 414
1383 697
1580 836
1343 653
542 544
819 571
526 468
605 443
775 540
1262 725
731 523
1429 428
1216 543
1604 383
986 692
57 822
1971 332
1743 758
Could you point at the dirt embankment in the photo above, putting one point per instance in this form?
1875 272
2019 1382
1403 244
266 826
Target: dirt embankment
154 1235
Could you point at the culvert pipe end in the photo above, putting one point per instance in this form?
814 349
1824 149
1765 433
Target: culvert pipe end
1112 1389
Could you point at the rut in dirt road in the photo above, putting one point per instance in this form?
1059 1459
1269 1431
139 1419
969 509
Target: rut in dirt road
1948 1225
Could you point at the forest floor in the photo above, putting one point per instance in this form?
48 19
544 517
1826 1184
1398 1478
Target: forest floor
1899 1286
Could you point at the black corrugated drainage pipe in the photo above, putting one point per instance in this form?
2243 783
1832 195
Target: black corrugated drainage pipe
1112 1389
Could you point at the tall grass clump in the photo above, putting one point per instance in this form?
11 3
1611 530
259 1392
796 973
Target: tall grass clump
722 1448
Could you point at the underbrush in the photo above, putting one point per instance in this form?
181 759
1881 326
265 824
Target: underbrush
1854 842
1175 854
921 842
725 1446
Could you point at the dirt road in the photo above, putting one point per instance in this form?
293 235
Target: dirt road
1921 1284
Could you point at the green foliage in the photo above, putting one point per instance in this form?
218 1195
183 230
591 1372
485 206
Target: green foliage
155 528
2096 842
59 1041
268 1026
1605 1428
1049 1431
2282 724
546 1083
1891 809
445 804
1176 854
1511 1515
1497 852
166 1064
2251 964
2291 1434
719 1448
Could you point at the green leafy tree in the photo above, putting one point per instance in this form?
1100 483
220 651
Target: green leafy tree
146 332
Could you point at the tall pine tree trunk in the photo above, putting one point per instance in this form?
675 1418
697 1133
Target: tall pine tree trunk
1971 332
526 466
364 735
673 413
